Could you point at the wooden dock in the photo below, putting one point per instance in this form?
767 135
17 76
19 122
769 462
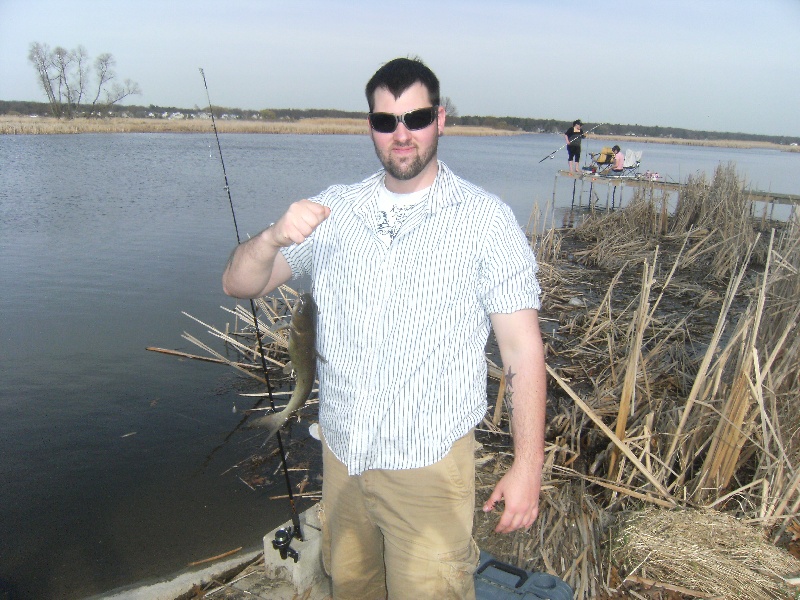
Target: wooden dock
614 200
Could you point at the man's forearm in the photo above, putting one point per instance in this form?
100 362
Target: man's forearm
522 353
257 267
525 399
250 267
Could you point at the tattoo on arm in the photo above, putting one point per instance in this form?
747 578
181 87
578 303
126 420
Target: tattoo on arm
509 377
508 397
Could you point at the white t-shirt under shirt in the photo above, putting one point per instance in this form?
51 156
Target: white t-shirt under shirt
393 210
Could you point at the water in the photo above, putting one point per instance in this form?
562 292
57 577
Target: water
113 468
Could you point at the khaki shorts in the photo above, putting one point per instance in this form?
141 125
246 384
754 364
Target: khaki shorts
401 534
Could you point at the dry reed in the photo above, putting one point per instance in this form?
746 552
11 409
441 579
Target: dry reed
683 338
313 126
708 551
24 125
626 140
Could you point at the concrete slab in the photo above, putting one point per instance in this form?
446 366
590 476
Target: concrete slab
176 586
308 572
275 579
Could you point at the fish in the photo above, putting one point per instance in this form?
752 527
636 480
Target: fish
303 357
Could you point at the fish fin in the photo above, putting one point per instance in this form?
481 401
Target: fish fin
288 369
322 358
278 326
272 423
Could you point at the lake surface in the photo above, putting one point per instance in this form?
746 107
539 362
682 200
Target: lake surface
114 463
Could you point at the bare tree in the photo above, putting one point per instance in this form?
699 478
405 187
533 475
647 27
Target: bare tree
81 61
104 69
62 63
64 77
71 72
119 91
449 107
41 58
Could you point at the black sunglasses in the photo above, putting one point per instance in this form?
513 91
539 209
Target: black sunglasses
413 120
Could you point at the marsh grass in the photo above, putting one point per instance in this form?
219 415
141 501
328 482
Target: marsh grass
22 125
12 125
702 545
673 398
743 144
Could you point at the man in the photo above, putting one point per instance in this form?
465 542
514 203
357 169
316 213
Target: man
573 136
410 268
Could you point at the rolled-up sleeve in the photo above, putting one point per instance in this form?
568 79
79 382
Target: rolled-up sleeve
508 270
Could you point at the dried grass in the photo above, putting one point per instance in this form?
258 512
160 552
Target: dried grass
707 551
674 385
12 125
563 541
708 143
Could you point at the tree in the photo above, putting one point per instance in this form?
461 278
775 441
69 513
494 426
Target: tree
449 107
41 58
104 67
64 78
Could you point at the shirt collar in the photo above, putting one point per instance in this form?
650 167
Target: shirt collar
444 192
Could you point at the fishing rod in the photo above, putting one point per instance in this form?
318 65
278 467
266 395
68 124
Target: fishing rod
583 133
295 517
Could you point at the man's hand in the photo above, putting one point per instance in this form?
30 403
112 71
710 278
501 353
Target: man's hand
519 492
297 223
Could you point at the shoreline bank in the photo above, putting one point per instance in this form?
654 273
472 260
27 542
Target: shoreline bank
22 125
742 144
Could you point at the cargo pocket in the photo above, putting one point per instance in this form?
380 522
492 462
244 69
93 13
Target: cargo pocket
457 569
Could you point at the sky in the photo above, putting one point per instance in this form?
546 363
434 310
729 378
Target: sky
715 65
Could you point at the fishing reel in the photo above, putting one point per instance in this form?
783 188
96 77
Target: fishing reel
282 543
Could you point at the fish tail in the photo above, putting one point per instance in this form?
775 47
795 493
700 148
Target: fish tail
272 423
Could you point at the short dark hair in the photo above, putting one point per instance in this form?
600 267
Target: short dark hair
400 74
576 122
616 149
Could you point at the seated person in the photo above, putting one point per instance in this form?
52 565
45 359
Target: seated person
619 161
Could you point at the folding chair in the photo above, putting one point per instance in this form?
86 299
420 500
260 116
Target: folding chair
601 161
632 161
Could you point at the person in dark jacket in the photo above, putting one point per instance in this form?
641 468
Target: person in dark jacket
573 136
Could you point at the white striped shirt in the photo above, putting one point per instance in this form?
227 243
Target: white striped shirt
402 329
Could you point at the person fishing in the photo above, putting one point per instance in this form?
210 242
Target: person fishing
573 137
410 270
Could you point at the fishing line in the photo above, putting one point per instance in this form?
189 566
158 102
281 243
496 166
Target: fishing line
295 517
567 144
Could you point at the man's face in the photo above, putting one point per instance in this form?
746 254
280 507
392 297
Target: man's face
409 157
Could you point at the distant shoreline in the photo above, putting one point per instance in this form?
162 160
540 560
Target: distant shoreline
21 125
743 144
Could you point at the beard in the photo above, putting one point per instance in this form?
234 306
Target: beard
403 170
